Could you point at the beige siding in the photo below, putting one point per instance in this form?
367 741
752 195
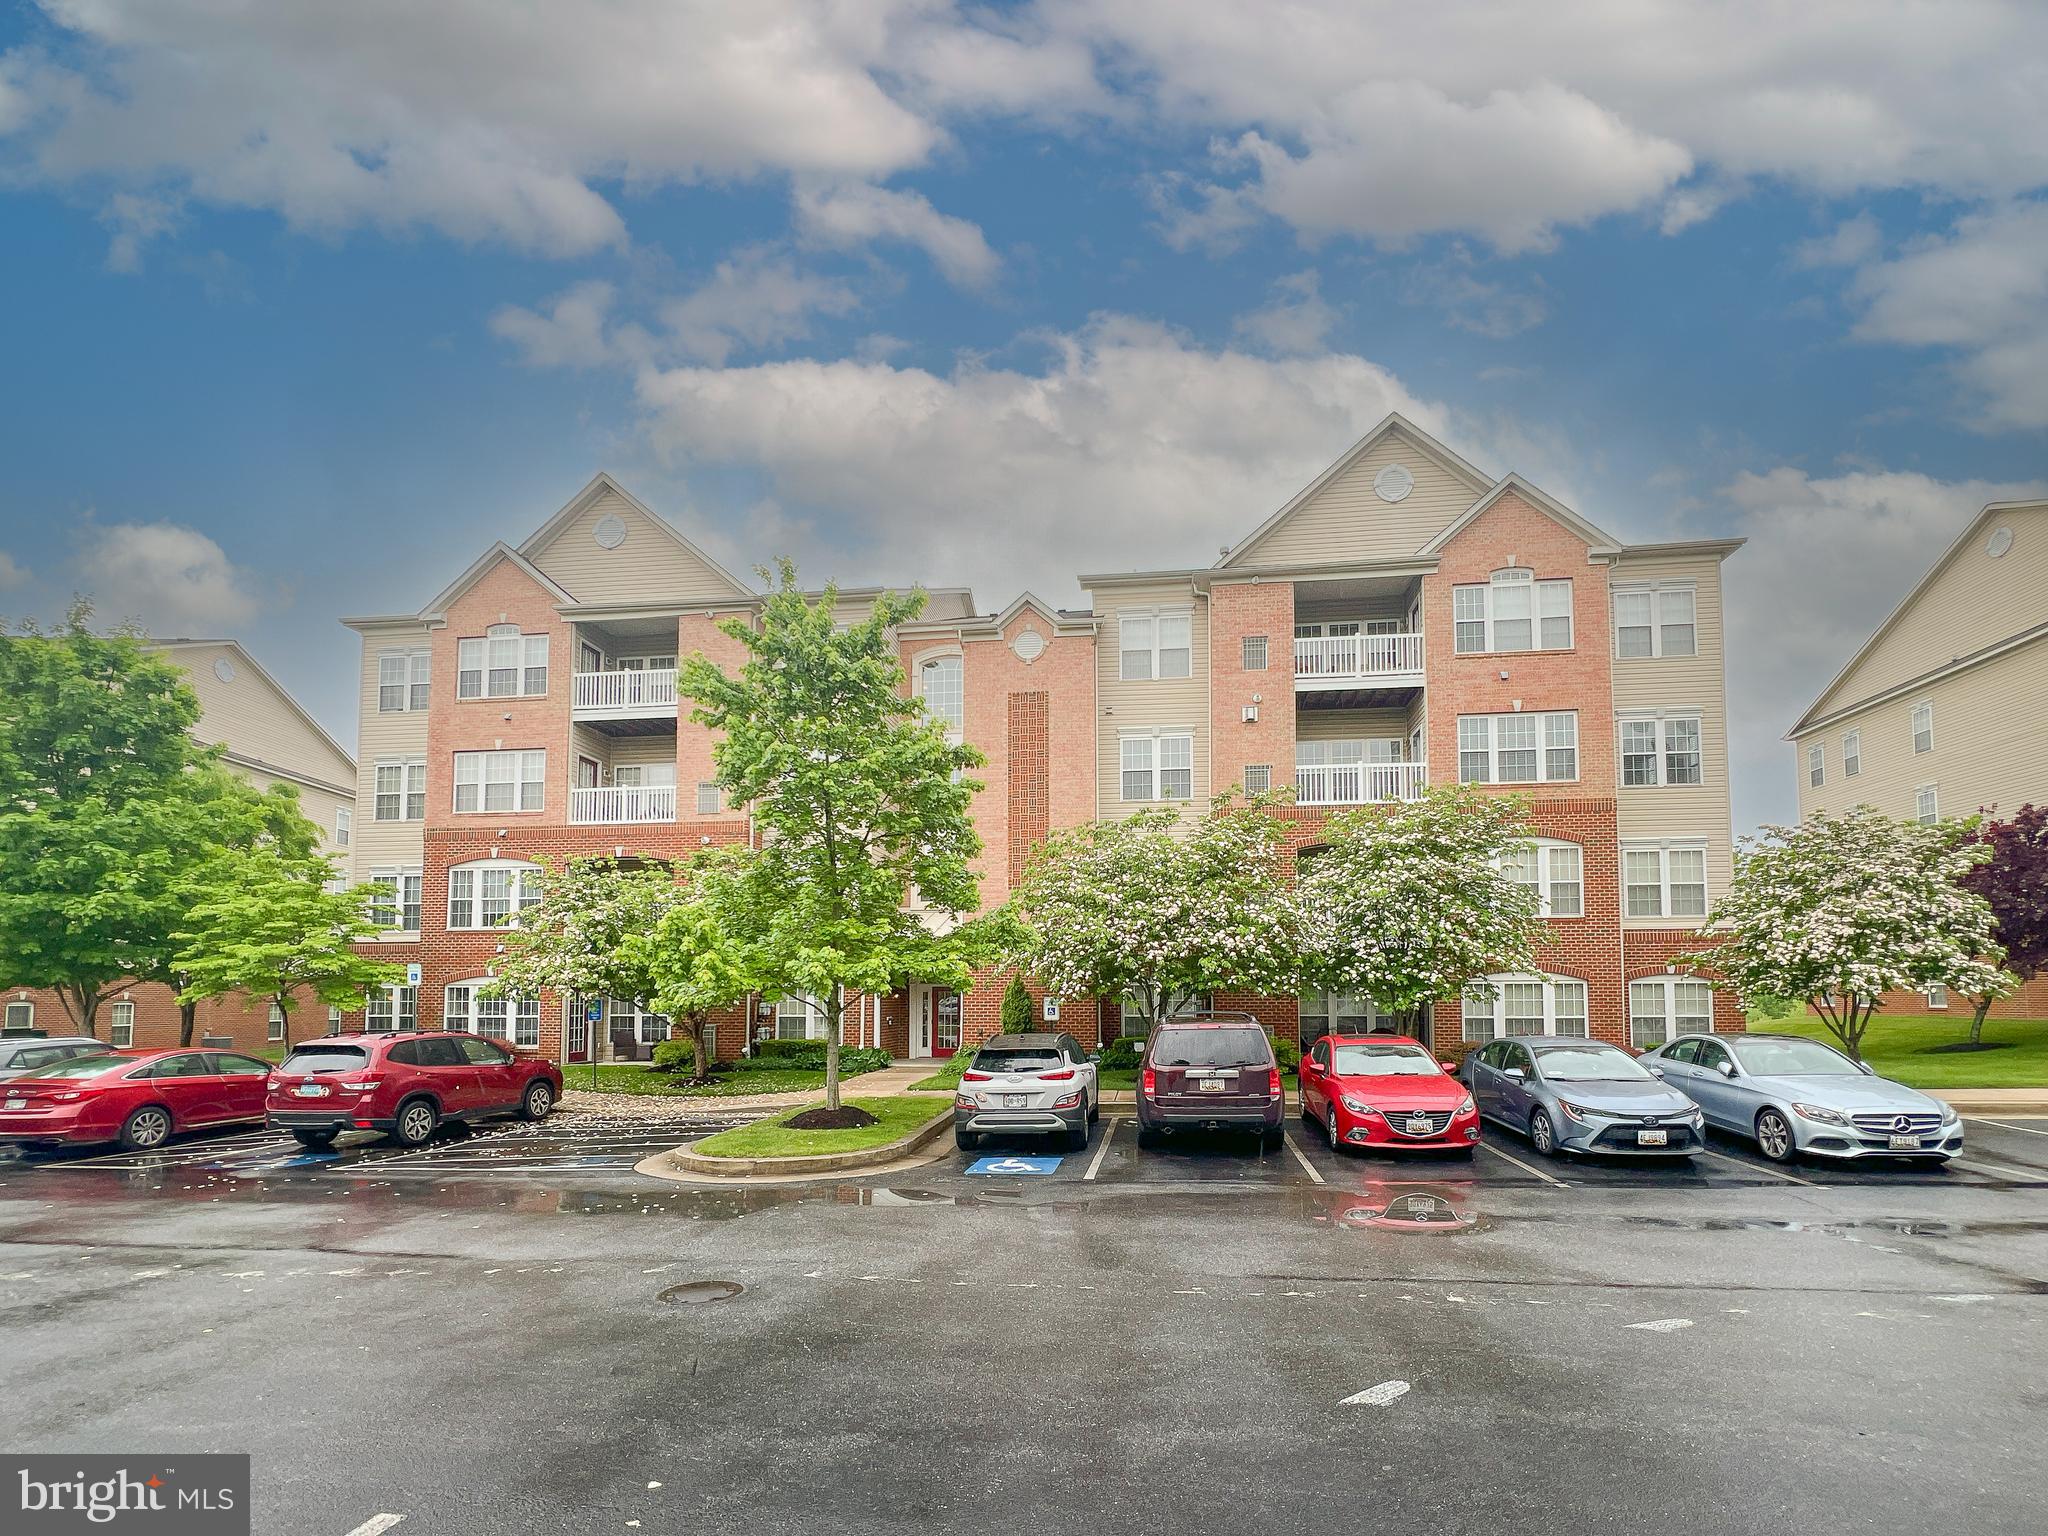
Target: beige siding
1347 521
1127 706
1681 684
1990 743
649 567
1971 602
383 844
253 718
1353 725
1325 610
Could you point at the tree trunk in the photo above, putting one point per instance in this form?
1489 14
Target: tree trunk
285 1012
833 1011
188 1021
81 1001
1977 1019
700 1057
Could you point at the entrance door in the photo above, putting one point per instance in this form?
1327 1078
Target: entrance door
921 1021
945 1023
577 1046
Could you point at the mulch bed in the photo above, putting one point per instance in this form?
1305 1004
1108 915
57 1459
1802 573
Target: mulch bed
844 1118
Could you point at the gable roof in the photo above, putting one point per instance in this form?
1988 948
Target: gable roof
602 483
242 654
1598 540
1813 712
438 607
1388 424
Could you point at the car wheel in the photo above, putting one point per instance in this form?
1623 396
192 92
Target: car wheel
1336 1141
1271 1141
1095 1107
539 1100
1077 1136
1147 1138
149 1127
415 1124
966 1141
1542 1134
314 1141
1774 1136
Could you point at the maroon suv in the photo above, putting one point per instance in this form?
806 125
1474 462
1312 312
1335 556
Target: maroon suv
1210 1072
404 1085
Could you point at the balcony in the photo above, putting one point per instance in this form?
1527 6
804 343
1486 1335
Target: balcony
1358 783
627 694
1330 663
622 805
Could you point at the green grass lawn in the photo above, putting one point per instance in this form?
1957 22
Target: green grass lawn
637 1077
897 1116
1899 1048
947 1078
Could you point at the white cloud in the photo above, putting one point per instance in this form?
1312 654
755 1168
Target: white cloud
1849 244
569 332
853 214
12 573
1472 303
1295 320
136 219
172 579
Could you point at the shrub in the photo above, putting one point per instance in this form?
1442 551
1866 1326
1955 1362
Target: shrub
1286 1052
674 1056
1123 1054
809 1056
1018 1014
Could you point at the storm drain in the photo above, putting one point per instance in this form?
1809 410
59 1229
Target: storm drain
696 1292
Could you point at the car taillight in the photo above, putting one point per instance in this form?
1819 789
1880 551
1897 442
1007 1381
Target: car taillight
361 1084
1062 1076
974 1077
1071 1101
1149 1083
68 1096
1273 1082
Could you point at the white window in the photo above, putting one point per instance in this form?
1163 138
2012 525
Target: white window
344 825
395 902
1661 751
1158 767
1816 764
1556 870
276 1022
1254 653
491 894
1155 645
1258 778
645 775
1526 1005
121 1031
390 1008
1665 881
1937 997
401 790
1655 621
515 1020
1136 1023
503 664
1926 804
940 685
799 1018
333 1020
21 1015
1334 1013
709 802
500 781
1518 749
1664 1007
1852 754
1923 727
402 679
1512 612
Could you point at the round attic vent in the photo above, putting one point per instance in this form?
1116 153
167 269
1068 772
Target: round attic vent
1393 483
1999 542
1029 645
224 670
610 531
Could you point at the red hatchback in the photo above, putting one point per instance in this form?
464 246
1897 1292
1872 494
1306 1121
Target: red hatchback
405 1085
139 1098
1385 1091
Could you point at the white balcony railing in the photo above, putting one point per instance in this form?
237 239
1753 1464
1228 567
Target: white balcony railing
1358 783
1358 658
622 803
651 691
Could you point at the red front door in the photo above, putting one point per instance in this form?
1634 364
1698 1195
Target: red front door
945 1023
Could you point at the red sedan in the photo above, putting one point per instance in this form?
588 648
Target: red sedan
140 1098
1385 1091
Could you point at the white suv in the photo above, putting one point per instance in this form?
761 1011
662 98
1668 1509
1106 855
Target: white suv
1027 1085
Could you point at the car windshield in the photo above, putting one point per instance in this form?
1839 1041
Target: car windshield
1383 1061
78 1066
1211 1048
1024 1058
1792 1058
1589 1064
327 1058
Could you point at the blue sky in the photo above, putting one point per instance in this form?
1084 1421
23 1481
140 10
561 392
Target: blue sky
307 304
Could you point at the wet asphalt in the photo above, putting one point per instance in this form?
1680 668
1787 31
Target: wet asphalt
511 1331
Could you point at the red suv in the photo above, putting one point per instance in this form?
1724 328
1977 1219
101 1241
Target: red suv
1210 1072
404 1085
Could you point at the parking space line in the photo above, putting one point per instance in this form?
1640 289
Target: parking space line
376 1525
1102 1151
2031 1130
1300 1157
1997 1172
1529 1168
1748 1167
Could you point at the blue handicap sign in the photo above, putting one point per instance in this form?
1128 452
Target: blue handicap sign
1002 1165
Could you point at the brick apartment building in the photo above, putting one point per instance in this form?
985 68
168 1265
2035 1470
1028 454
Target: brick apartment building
267 738
1404 620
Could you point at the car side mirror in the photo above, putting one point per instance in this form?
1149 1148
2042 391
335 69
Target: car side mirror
1725 1068
1866 1069
1514 1074
1656 1071
1450 1067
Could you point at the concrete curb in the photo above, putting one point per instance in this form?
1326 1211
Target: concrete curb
1994 1101
682 1163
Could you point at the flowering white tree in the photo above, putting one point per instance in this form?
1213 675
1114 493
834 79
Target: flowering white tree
1409 903
1839 910
1161 910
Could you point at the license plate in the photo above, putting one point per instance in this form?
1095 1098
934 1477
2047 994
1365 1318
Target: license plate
311 1090
1652 1138
1418 1125
1016 1100
15 1104
1212 1085
1905 1143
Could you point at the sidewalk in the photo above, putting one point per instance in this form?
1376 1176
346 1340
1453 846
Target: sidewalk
1983 1101
672 1106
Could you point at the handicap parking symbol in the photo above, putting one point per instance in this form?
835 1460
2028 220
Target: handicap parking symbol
1037 1165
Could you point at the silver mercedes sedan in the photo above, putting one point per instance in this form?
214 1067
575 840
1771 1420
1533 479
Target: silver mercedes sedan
1790 1094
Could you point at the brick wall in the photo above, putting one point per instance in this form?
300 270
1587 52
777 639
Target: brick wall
1236 611
245 1022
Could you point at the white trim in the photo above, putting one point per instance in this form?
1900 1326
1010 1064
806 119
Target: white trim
1937 996
510 1020
1544 746
282 692
597 485
1926 804
921 662
409 769
394 1001
436 611
1816 764
1497 1007
398 876
1153 650
1922 707
473 772
1514 579
482 649
121 1024
1599 542
1661 721
1548 852
1154 766
415 665
1656 592
1852 754
1670 1023
344 825
1662 852
518 897
275 1022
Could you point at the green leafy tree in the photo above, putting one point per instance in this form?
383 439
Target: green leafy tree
2014 880
1839 910
275 928
1161 910
1017 1015
1409 903
861 801
698 958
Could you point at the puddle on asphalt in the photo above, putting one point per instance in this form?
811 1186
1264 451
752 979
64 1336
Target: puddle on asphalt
697 1293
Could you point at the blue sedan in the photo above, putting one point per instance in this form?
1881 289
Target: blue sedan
1790 1094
